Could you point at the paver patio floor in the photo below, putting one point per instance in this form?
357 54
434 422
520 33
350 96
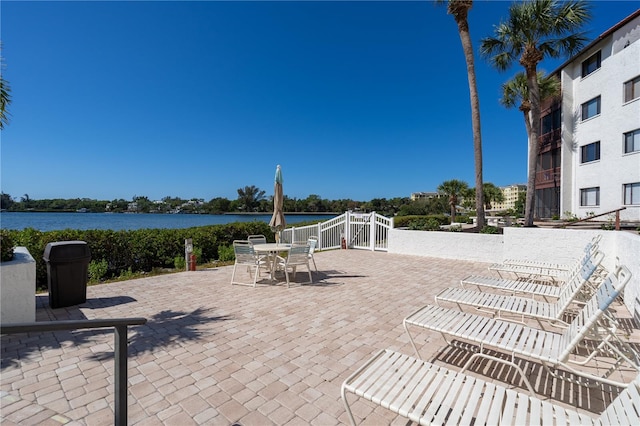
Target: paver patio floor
217 354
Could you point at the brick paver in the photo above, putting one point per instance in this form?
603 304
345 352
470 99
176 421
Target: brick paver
212 353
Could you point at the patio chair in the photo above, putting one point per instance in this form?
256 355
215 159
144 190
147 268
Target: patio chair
257 239
428 394
246 256
313 243
526 307
298 256
543 270
265 259
549 348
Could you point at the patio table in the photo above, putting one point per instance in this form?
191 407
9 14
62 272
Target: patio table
271 250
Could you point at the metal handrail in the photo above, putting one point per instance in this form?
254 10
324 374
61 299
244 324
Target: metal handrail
120 349
586 219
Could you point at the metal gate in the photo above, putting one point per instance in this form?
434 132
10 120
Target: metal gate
365 231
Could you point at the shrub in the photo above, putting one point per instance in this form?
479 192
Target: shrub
226 253
419 222
180 263
455 228
489 230
98 270
6 246
425 224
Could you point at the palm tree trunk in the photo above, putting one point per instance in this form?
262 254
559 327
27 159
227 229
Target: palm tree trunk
534 97
465 39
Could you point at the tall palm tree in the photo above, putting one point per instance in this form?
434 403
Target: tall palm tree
515 92
453 189
459 9
535 30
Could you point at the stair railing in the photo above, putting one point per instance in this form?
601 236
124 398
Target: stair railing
120 349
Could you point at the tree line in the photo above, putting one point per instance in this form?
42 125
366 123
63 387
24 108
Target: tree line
453 194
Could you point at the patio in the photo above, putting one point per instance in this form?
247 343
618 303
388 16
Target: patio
212 353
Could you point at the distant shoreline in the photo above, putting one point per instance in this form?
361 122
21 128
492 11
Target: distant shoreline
287 213
225 213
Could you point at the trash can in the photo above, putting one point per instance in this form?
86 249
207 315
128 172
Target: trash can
67 272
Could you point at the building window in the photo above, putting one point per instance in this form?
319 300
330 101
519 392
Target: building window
551 121
632 194
590 152
591 108
591 64
590 196
632 141
632 89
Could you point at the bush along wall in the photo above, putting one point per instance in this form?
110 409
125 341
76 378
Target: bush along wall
139 250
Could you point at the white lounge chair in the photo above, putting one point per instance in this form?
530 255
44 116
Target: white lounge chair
544 270
524 287
549 348
432 395
591 246
526 307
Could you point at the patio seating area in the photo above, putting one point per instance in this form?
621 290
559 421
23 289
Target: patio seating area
217 354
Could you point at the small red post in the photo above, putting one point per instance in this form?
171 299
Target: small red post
192 262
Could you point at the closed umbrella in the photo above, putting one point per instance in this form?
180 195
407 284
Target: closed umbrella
277 222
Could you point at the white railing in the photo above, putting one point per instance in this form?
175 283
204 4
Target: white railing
367 231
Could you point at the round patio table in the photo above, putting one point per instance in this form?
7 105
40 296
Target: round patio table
271 250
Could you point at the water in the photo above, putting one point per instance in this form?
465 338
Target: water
127 221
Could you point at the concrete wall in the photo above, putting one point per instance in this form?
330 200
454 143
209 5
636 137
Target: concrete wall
447 245
539 244
18 288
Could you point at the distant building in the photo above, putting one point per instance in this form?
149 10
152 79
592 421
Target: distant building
589 159
510 194
423 195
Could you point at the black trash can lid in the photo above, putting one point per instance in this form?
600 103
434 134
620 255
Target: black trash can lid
67 251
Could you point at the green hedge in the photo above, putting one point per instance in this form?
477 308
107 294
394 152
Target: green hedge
6 246
418 222
138 250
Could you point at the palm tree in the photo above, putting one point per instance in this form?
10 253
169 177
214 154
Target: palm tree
535 30
515 92
5 97
453 189
250 197
459 9
492 194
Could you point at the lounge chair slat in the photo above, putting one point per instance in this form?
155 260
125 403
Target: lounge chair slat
439 395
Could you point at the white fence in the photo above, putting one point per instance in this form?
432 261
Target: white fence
368 231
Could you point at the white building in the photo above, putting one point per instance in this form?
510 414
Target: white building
423 195
600 152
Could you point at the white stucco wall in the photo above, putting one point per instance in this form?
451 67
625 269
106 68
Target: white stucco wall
447 245
538 244
18 288
627 249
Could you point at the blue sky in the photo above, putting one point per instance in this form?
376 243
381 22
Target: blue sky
355 100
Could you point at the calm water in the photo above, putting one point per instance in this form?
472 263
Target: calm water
125 221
